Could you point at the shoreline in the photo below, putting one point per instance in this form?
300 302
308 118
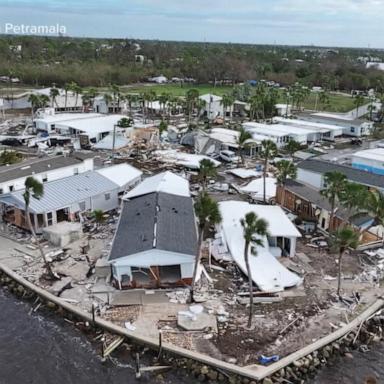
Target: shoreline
299 364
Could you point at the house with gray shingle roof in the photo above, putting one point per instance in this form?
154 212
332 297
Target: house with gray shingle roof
155 243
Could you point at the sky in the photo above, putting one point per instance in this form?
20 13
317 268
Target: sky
352 23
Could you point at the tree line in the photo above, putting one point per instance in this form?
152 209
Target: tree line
99 62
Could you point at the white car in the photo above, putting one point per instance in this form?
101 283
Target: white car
229 156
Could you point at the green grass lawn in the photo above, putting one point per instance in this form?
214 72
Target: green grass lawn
338 103
177 90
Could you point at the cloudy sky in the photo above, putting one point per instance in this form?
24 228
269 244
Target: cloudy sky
320 22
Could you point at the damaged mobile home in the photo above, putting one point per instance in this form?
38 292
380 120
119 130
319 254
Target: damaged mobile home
156 240
268 273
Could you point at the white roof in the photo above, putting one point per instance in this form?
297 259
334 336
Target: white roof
267 272
121 174
262 129
278 129
226 136
337 116
371 154
188 160
245 173
93 125
283 106
61 117
210 98
256 188
166 182
322 127
374 64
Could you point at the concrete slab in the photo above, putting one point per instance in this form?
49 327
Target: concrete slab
59 286
62 234
155 298
203 321
139 297
127 298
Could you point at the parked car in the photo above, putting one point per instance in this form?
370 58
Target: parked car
229 156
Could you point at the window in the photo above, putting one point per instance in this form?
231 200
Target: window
75 171
1 191
11 188
352 129
49 218
45 178
107 196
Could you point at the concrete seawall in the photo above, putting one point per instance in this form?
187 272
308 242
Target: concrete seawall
255 372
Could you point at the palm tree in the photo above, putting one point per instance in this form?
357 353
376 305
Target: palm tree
254 230
292 147
343 239
67 87
375 207
116 95
76 89
242 141
354 198
107 99
35 189
335 183
163 101
358 102
208 214
324 99
285 170
35 103
268 152
207 170
227 102
192 96
53 93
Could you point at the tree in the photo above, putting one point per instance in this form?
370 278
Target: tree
125 122
67 87
285 170
107 99
207 170
254 230
343 239
227 102
268 152
335 183
354 198
242 141
35 189
163 126
35 103
53 93
192 97
10 157
375 207
324 99
98 215
116 96
208 214
358 102
76 89
292 147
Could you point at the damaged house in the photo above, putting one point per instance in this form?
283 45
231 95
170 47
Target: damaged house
156 240
66 199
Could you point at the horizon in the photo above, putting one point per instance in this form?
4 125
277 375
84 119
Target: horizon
320 23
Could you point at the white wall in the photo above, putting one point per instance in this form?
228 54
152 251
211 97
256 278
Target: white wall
154 257
311 178
53 174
